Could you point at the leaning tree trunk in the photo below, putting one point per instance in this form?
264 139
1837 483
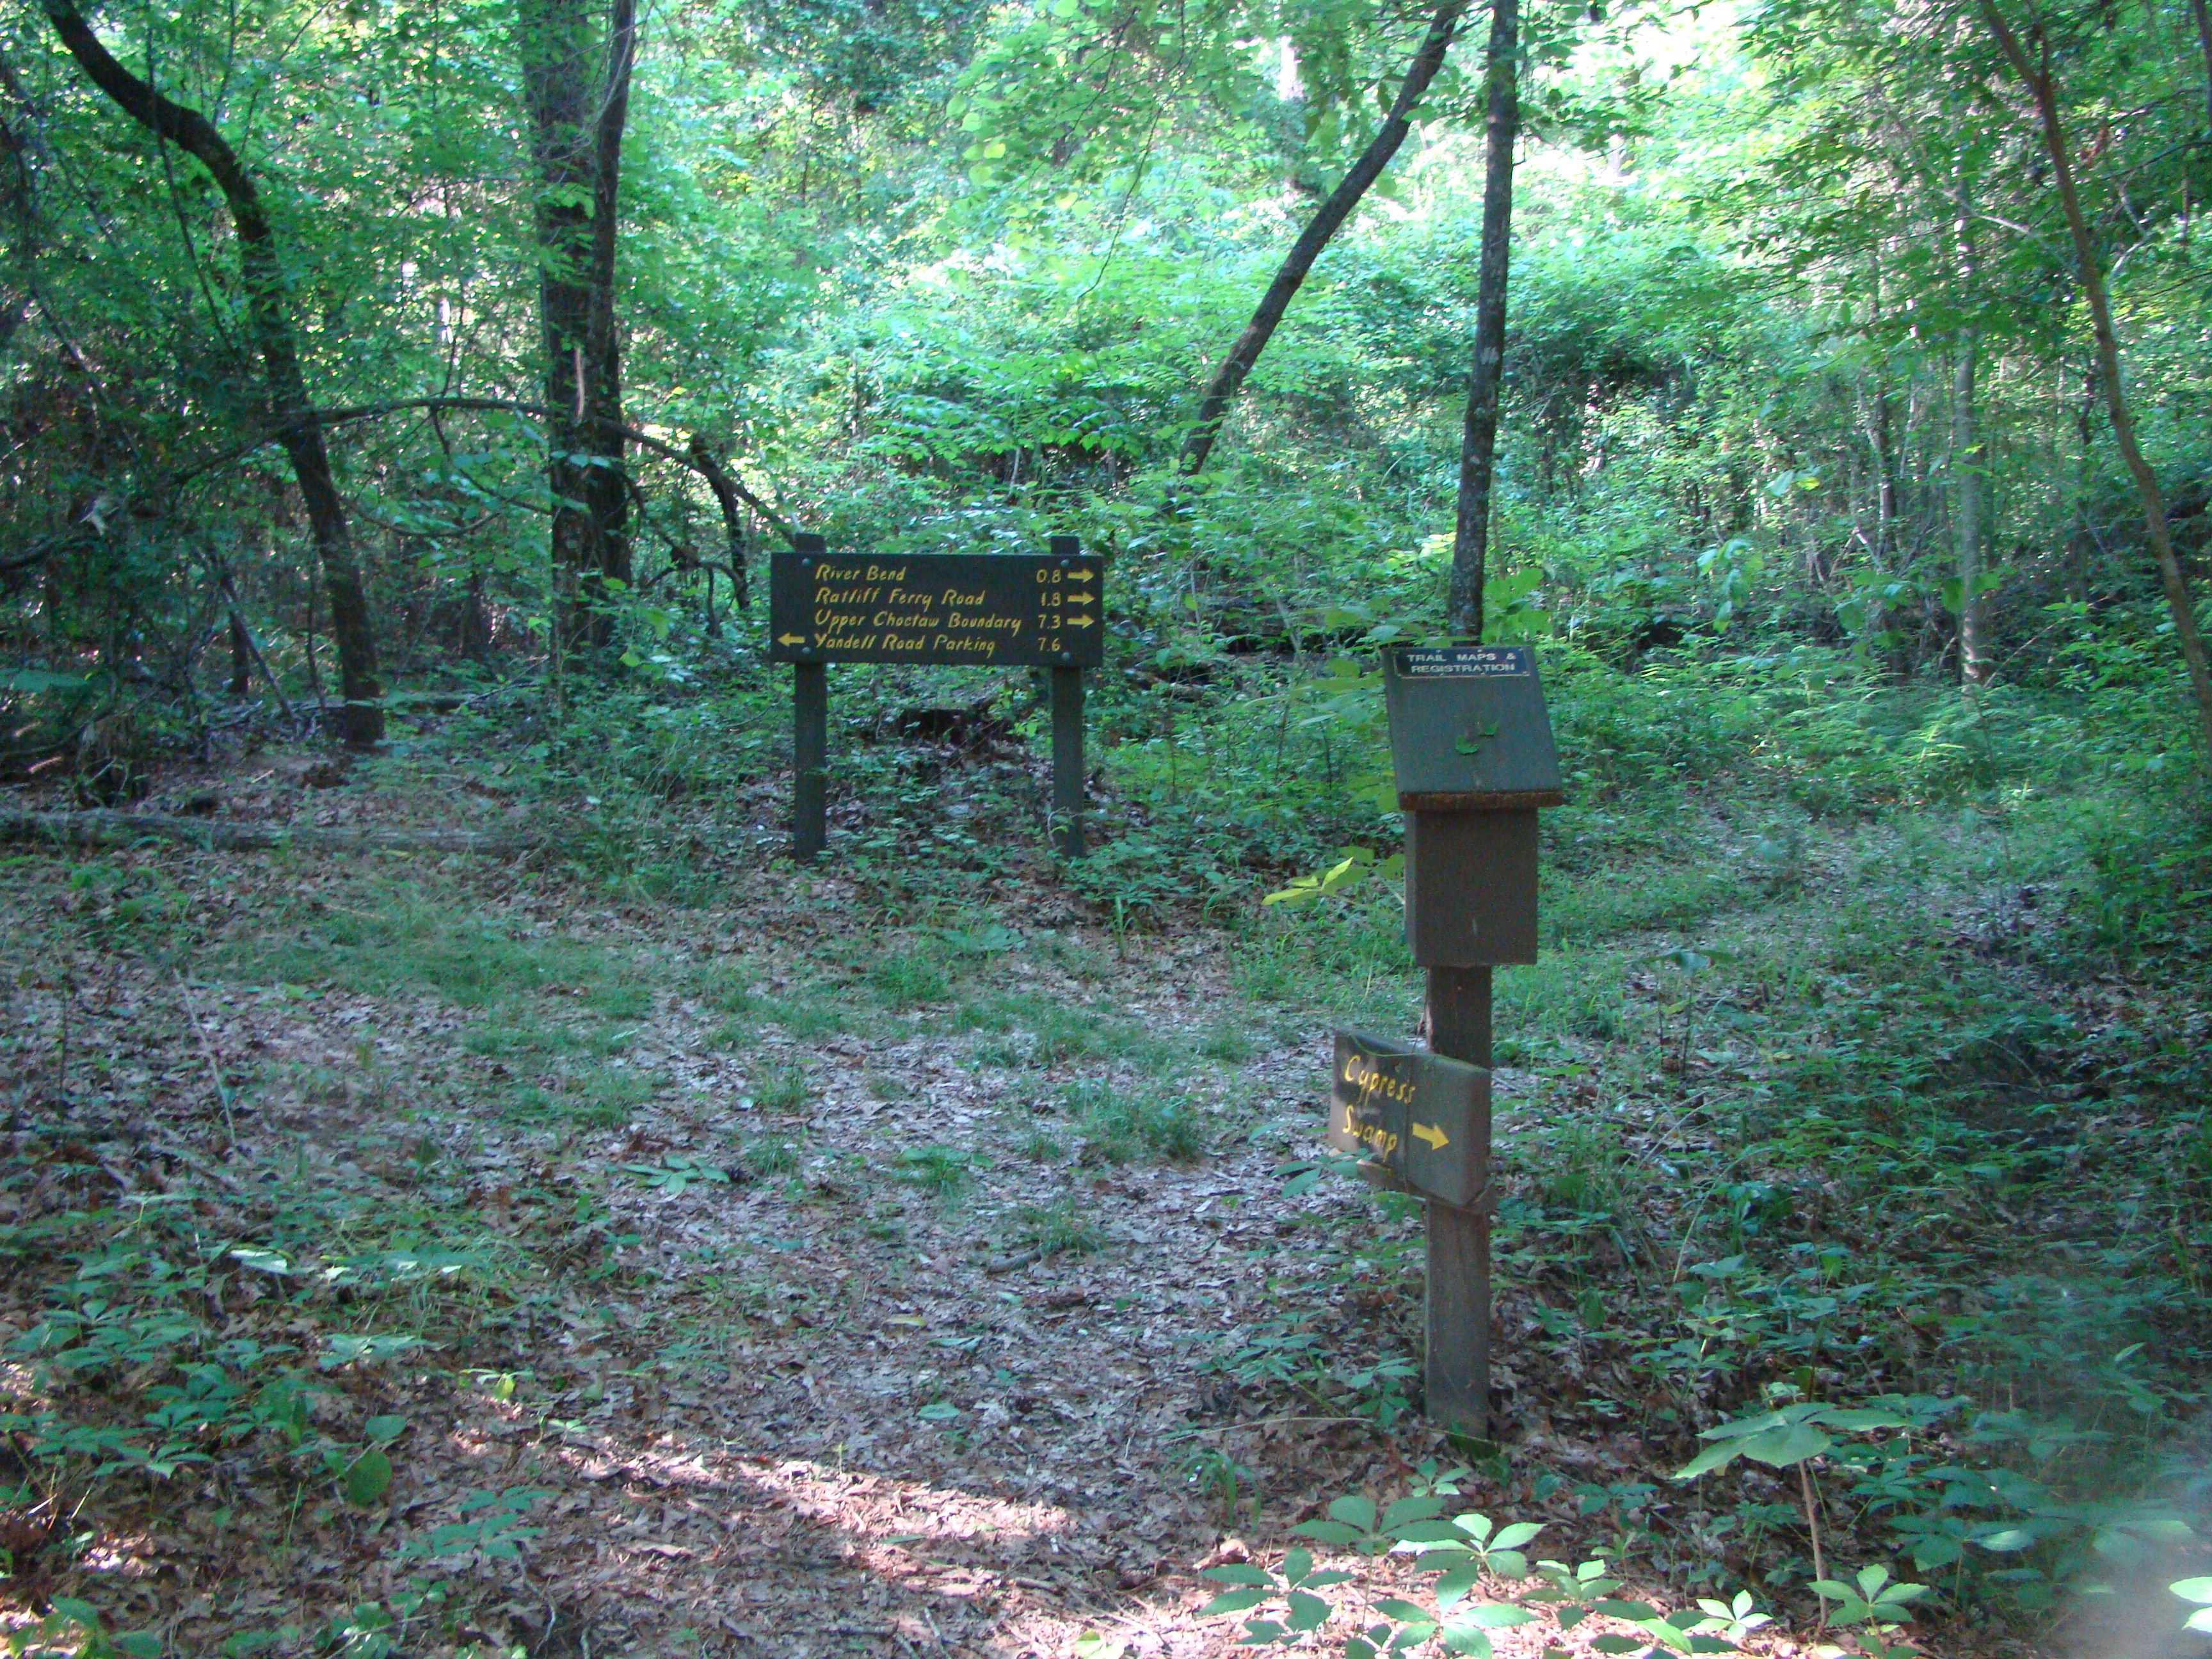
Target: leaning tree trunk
1478 450
1229 378
2037 78
261 272
1968 474
578 106
609 483
1967 515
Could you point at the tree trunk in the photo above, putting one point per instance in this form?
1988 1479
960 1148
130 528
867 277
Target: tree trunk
1967 472
2202 13
577 107
261 270
1967 515
1222 390
609 480
2037 77
1477 452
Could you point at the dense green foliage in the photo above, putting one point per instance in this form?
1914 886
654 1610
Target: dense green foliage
932 276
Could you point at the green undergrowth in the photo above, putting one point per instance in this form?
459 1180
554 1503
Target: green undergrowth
1898 1110
275 1347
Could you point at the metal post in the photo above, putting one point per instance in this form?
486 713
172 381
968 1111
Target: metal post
1458 1373
810 745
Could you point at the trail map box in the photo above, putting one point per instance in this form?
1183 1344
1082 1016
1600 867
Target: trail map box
1472 757
1471 754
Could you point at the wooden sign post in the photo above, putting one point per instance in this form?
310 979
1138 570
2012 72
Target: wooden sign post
978 610
1472 757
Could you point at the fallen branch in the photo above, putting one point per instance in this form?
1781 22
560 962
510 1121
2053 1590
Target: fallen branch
698 458
112 828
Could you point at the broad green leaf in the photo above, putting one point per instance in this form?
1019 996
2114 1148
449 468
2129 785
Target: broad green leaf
1782 1448
1240 1572
1712 1458
1456 1585
1494 1615
1353 1512
1437 1531
1308 1612
1239 1601
1408 1511
1330 1531
1404 1613
367 1477
1865 1417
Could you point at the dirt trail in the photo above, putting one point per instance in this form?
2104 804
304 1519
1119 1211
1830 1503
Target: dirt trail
843 1342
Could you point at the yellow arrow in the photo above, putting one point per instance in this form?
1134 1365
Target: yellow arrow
1080 622
1081 598
791 639
1436 1139
1079 575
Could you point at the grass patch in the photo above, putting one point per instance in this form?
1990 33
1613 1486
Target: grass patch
812 1013
909 981
1057 1229
1230 1042
770 1155
385 943
1121 1124
942 1172
785 1089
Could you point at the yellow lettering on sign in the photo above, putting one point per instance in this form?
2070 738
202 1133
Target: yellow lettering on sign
1370 1134
1371 1080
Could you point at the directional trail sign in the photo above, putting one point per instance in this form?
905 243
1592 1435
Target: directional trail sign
983 610
1424 1118
966 609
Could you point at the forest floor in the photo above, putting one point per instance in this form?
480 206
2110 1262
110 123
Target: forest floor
407 1255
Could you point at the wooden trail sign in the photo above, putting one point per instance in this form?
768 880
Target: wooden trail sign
979 609
970 609
1421 1117
1473 758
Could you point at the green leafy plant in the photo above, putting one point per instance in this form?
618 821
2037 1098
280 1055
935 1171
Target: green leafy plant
489 1523
677 1172
1293 1586
74 1626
